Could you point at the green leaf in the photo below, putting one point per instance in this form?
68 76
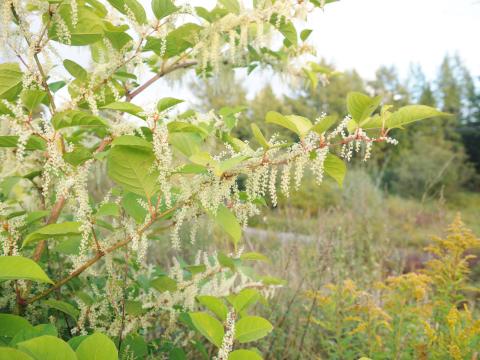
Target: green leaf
324 124
33 332
253 256
71 118
208 326
47 347
76 70
134 6
64 307
195 269
188 143
243 354
10 81
133 141
85 298
270 280
136 345
32 98
305 34
274 117
226 261
231 5
229 164
177 354
57 85
373 122
88 29
298 124
53 230
215 305
108 209
203 158
178 40
164 283
13 354
181 126
244 299
361 106
11 324
336 168
133 208
163 8
312 77
134 308
251 328
229 223
21 268
75 342
166 103
191 169
257 133
69 246
97 347
286 28
411 113
34 142
34 216
131 168
125 107
78 156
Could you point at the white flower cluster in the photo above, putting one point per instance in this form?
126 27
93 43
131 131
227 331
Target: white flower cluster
212 51
10 239
163 154
228 338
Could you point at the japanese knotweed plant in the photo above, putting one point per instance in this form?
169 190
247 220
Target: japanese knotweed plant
74 255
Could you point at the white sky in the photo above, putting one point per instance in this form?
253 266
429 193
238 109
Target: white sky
365 34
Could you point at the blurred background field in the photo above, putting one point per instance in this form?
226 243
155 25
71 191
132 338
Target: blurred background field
379 223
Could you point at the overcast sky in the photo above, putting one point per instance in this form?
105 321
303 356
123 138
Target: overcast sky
365 34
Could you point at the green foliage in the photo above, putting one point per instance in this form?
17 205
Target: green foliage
251 328
12 324
361 106
336 168
229 223
166 103
130 167
33 98
97 347
244 355
215 305
52 231
87 30
47 347
208 326
298 124
163 8
10 80
64 307
409 114
71 118
19 267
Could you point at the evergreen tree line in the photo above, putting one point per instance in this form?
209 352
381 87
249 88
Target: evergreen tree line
436 159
